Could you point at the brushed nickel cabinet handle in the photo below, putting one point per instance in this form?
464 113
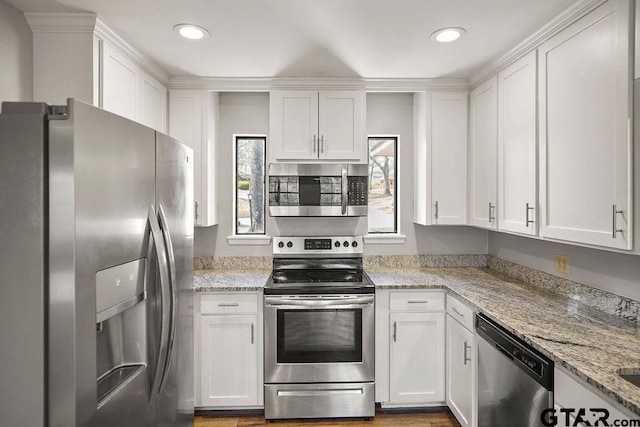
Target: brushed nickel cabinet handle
616 230
321 144
395 331
314 144
528 221
196 218
491 217
436 215
466 347
228 304
252 336
456 310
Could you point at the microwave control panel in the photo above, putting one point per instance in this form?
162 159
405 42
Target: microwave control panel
358 190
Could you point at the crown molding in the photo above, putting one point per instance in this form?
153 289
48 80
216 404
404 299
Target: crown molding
564 19
414 85
81 23
104 32
265 84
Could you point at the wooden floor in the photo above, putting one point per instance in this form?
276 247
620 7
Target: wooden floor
440 418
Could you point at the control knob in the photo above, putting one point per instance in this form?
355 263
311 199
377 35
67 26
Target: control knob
289 244
354 244
281 244
336 244
346 244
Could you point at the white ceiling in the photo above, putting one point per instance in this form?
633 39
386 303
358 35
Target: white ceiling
317 38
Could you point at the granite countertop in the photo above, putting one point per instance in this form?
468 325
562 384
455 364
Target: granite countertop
592 345
589 343
230 280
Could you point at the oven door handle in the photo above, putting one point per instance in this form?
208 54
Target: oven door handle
363 301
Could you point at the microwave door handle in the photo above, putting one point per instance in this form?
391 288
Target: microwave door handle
163 268
164 226
345 189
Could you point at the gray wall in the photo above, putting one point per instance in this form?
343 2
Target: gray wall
610 271
16 55
387 114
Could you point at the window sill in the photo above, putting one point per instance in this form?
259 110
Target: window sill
249 240
385 239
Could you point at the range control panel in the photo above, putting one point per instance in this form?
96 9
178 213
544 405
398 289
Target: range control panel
300 245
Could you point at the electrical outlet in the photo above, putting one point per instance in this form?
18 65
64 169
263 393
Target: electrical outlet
562 263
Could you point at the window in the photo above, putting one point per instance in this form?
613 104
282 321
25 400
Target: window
250 184
382 213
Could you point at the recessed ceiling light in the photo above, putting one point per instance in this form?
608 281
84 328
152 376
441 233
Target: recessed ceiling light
445 35
191 32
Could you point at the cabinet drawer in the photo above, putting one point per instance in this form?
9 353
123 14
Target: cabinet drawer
416 301
460 312
229 303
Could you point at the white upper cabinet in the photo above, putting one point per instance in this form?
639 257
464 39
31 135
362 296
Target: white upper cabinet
483 152
152 102
517 166
95 66
585 130
440 157
192 117
449 157
120 82
317 125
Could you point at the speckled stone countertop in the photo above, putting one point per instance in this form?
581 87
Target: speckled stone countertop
591 344
230 280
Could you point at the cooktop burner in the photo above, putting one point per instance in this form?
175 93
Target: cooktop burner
315 276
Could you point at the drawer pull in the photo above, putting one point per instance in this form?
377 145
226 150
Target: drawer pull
228 304
418 302
456 310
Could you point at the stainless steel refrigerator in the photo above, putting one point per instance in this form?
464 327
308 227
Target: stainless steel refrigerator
96 270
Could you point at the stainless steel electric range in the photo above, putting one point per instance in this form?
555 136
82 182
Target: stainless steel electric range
319 330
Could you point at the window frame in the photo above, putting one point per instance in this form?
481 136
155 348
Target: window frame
248 238
390 237
395 181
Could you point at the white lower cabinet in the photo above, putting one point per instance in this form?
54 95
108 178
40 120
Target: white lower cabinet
410 348
578 404
416 363
460 363
228 373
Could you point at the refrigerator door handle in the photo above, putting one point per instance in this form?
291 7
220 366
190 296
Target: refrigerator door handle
158 241
164 226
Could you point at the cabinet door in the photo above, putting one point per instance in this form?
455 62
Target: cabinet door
229 360
120 76
585 136
460 371
294 124
483 155
340 125
449 157
517 166
416 358
152 103
185 125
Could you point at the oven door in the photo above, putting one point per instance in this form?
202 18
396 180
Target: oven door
319 338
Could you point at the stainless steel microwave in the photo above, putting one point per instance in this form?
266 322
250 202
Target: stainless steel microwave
318 189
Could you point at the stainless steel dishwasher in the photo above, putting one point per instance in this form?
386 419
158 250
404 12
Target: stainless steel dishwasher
515 382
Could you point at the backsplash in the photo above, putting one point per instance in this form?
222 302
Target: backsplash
424 261
606 302
233 263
